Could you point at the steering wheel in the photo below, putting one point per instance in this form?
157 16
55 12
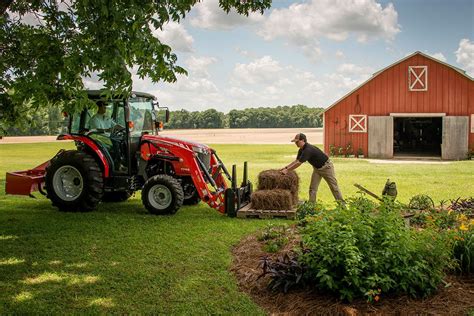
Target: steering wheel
117 132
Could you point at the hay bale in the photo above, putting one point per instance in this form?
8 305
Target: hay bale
276 199
274 179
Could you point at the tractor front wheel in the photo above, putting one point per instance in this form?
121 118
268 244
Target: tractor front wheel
162 195
74 182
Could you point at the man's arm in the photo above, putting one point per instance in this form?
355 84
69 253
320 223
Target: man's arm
292 166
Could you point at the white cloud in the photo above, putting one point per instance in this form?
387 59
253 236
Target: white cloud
465 55
210 16
267 82
438 56
262 70
198 65
351 70
176 36
340 54
303 24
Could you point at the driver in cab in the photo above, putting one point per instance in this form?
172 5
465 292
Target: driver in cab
100 121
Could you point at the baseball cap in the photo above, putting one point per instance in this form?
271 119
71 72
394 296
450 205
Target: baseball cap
299 136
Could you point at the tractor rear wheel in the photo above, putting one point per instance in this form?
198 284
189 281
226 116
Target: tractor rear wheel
162 195
74 182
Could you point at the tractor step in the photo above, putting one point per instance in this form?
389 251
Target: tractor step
249 212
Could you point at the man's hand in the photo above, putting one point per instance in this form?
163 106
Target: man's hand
284 170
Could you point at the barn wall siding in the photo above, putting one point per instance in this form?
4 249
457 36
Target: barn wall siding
448 92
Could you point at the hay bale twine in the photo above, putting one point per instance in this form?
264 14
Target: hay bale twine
274 179
276 199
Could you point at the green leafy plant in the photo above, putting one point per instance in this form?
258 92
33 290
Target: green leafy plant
332 150
361 203
349 149
360 152
435 218
308 209
470 154
274 237
354 253
463 251
340 151
421 202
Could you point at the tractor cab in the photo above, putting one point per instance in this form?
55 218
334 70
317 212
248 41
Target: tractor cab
116 126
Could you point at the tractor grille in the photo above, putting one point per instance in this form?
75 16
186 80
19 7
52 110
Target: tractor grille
206 159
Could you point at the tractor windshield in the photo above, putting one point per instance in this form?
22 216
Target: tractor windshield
142 116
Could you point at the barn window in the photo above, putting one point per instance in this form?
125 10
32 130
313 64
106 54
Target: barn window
357 123
418 78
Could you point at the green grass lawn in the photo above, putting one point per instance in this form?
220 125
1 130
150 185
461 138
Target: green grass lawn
121 260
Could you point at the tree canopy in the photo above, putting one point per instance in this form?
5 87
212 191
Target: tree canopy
44 62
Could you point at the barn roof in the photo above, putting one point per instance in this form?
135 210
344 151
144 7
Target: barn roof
462 72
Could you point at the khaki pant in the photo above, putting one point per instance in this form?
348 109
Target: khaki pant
327 172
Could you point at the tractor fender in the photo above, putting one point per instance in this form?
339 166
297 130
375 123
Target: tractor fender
94 148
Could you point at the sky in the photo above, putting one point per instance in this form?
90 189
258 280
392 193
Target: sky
304 52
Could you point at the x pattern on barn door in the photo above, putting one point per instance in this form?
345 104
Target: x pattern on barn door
357 123
418 78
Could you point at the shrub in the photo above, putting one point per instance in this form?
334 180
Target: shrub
285 272
435 218
308 209
274 237
361 203
421 202
332 150
463 247
463 206
357 253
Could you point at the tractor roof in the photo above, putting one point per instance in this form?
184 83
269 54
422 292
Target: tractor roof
98 93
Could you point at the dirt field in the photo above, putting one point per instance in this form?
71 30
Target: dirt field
214 136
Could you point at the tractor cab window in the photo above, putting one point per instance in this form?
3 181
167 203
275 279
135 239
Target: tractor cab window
142 116
107 115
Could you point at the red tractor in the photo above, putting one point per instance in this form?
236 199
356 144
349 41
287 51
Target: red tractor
118 151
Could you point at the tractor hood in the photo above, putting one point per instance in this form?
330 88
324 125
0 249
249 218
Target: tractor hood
197 147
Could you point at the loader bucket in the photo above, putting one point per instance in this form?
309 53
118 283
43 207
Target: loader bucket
26 182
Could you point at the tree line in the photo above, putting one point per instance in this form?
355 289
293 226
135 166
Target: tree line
49 120
278 117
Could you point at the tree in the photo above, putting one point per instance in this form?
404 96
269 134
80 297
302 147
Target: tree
44 63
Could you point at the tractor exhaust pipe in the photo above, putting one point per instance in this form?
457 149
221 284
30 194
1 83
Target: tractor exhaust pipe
234 177
245 179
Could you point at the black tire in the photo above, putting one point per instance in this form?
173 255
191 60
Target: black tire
191 196
87 182
117 196
162 195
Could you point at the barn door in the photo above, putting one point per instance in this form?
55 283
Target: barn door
380 137
454 144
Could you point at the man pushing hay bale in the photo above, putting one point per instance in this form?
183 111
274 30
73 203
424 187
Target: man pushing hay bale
276 191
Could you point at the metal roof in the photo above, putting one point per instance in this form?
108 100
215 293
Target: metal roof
462 72
99 93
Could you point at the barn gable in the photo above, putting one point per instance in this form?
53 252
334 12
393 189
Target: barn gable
417 90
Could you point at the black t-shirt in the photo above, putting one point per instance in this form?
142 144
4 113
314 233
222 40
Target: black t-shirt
315 156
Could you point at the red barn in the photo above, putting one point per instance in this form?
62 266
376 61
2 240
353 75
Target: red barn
419 106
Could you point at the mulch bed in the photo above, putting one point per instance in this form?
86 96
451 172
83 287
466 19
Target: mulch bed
456 299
